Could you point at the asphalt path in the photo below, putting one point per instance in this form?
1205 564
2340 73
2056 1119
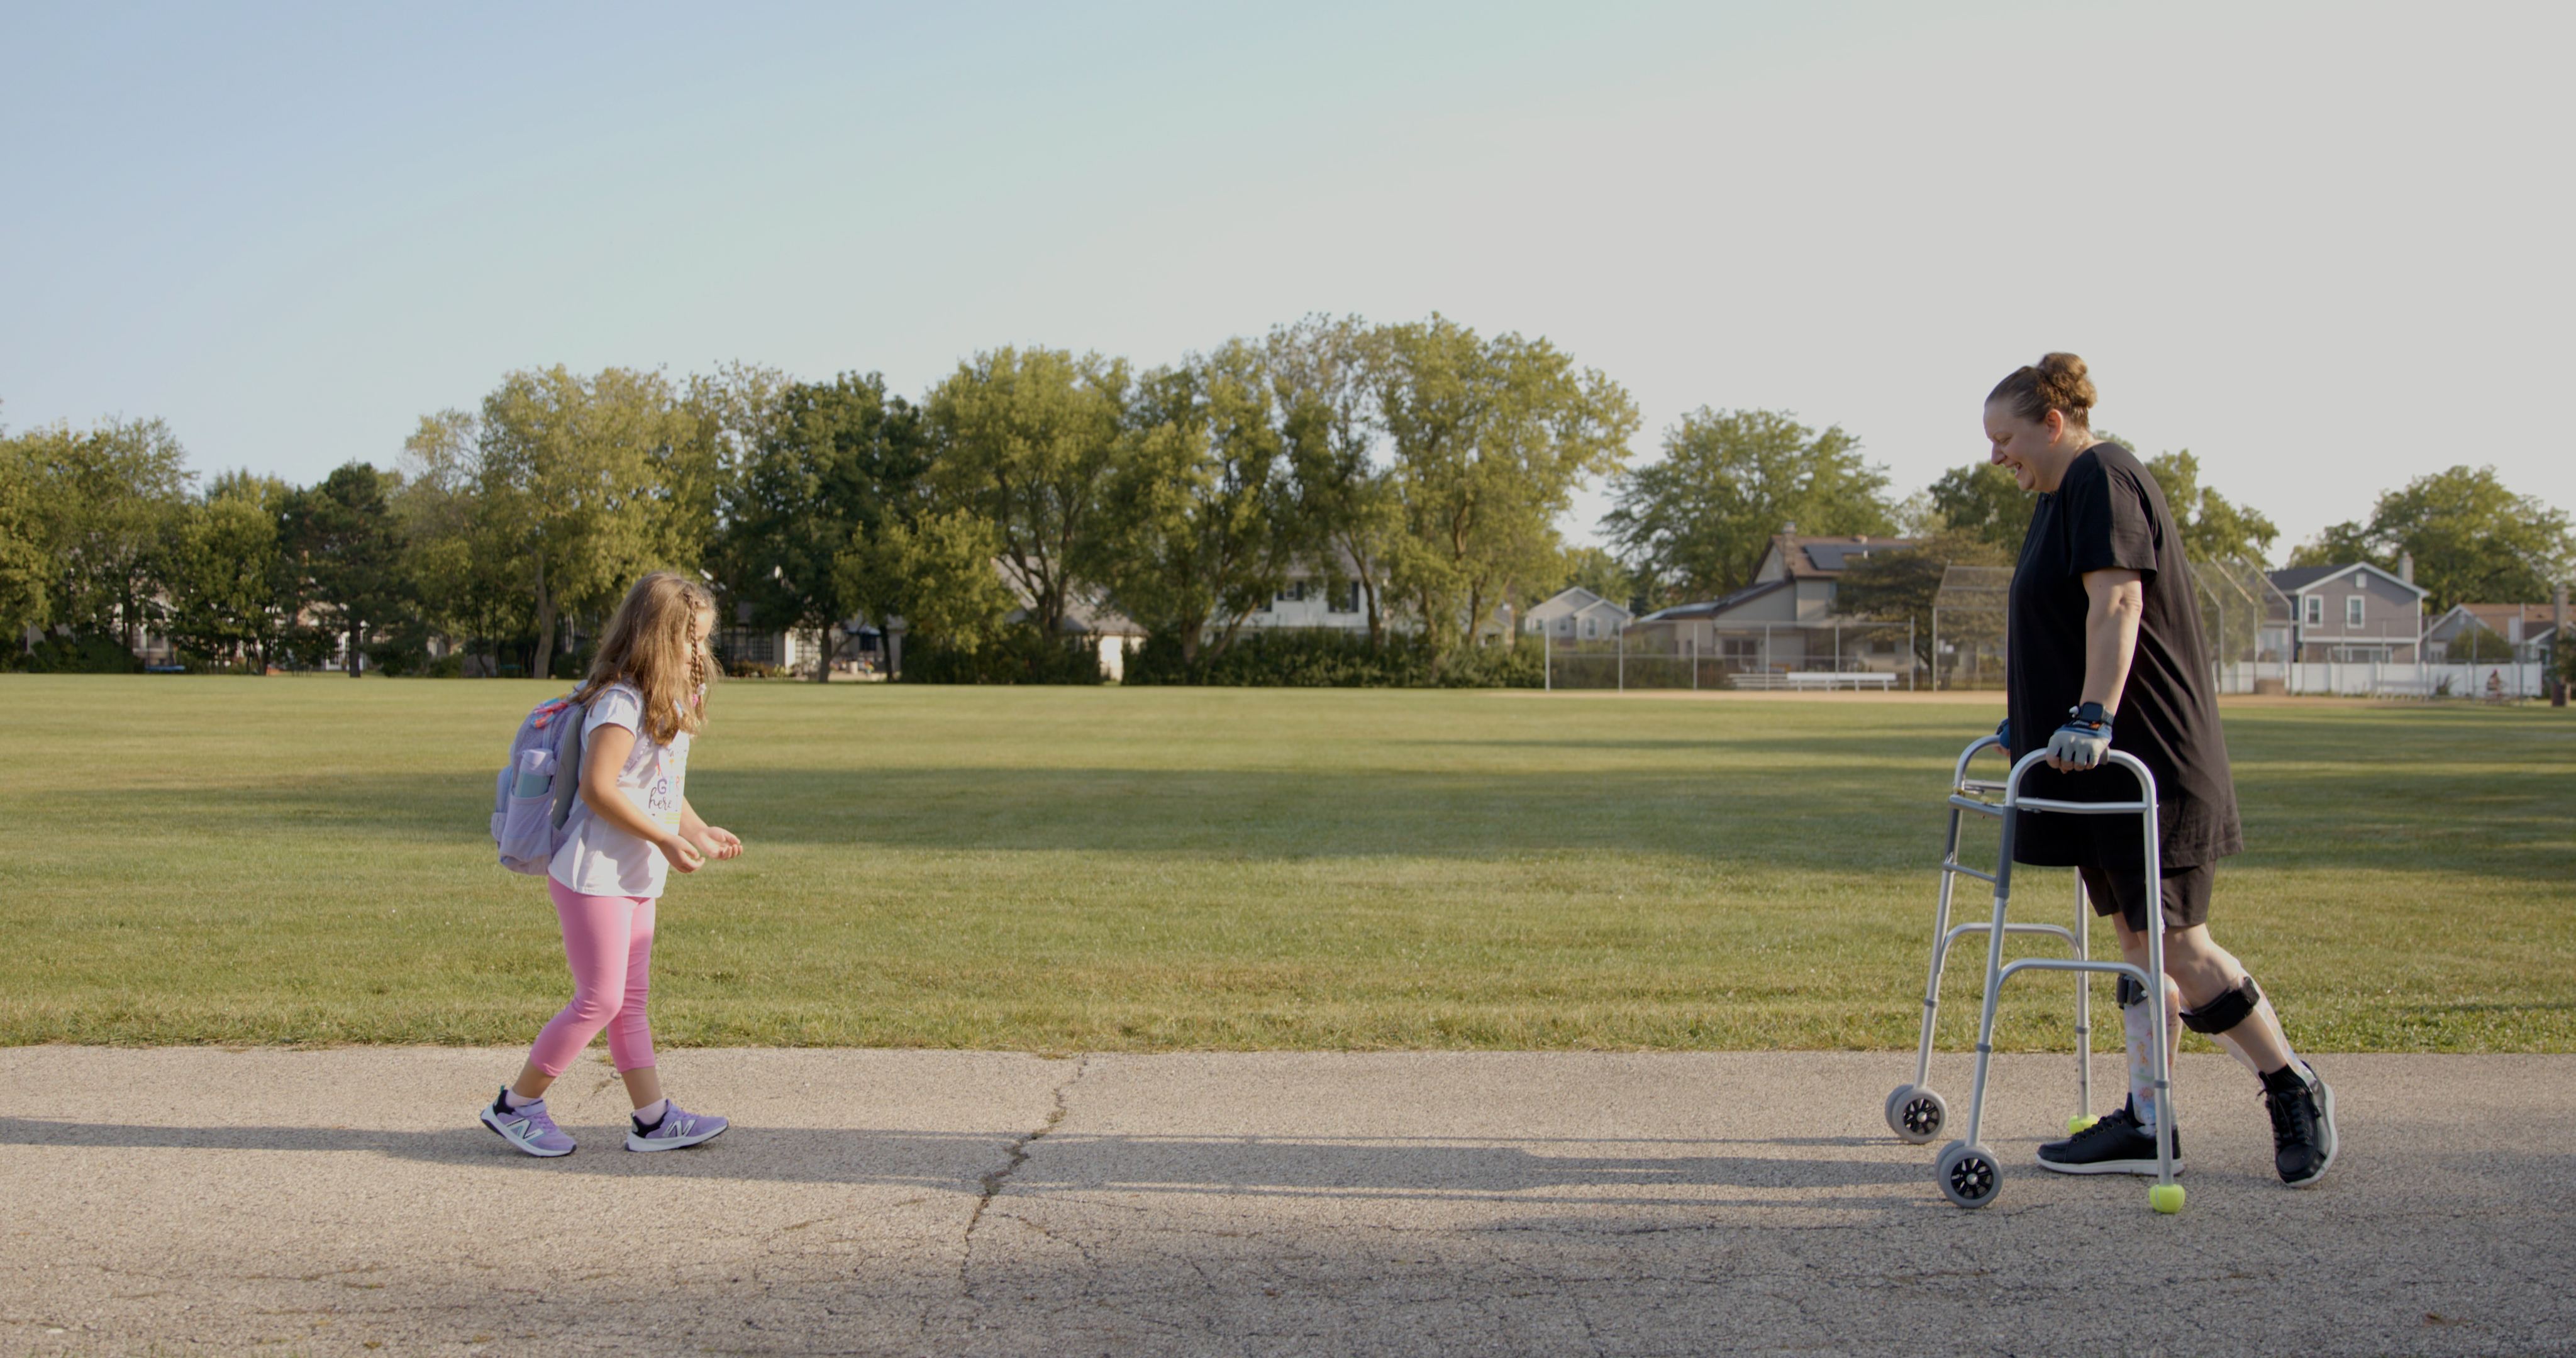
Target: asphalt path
184 1201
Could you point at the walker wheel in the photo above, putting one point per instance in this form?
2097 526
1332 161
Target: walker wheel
2165 1198
1968 1175
1896 1097
1919 1117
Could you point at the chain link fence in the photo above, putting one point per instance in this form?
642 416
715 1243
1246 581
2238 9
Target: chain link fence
1969 618
1834 653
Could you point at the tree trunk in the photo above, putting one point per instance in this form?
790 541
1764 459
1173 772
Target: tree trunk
357 633
543 660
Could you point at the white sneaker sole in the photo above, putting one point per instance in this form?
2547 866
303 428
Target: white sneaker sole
672 1143
520 1146
2325 1134
2141 1167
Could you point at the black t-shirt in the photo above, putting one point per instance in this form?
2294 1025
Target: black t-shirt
2109 514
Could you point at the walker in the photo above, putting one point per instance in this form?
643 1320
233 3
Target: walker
1967 1170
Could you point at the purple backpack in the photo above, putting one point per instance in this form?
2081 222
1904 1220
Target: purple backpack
536 788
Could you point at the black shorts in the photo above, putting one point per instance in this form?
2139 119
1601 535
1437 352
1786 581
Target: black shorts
2123 891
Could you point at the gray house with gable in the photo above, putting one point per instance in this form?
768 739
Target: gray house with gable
2348 614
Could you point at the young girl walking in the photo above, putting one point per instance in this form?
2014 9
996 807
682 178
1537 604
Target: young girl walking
645 697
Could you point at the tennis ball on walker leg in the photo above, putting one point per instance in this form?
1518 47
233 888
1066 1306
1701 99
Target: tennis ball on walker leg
2165 1198
2075 1125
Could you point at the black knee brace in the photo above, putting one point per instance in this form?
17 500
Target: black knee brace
2225 1012
2130 991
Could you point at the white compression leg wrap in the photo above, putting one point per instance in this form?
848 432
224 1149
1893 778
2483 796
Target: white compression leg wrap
2137 1031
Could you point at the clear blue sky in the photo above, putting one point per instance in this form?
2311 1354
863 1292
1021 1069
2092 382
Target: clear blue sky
2324 246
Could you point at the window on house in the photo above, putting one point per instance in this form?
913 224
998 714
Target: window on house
1591 628
1747 649
1565 627
2352 611
2315 613
1346 598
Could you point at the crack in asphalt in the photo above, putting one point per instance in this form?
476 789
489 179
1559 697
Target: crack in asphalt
995 1178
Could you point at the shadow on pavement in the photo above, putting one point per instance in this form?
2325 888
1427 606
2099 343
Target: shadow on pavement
1069 1163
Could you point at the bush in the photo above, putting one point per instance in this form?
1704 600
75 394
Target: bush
88 653
1022 656
404 651
448 666
1510 664
1319 658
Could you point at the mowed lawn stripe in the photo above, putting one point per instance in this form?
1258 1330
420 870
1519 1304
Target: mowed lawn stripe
305 860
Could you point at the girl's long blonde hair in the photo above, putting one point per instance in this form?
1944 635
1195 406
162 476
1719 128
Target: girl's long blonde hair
648 645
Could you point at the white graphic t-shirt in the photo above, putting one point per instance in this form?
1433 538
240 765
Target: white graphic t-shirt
597 858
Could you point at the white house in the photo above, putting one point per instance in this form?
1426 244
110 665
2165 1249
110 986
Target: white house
1577 614
1330 599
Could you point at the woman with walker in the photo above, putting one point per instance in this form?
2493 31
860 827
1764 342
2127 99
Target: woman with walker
2104 628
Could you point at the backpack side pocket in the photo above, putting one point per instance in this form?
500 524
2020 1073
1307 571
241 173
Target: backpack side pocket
524 826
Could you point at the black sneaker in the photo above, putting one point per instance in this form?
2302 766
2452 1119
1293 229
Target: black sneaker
2115 1145
2303 1130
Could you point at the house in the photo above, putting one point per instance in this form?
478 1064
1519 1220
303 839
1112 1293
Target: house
1787 618
1576 614
1087 615
2349 613
2519 626
1313 598
1327 597
1110 633
745 644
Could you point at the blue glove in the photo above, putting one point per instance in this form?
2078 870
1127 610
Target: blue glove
2085 739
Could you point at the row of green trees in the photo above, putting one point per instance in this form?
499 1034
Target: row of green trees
1423 464
1694 525
103 535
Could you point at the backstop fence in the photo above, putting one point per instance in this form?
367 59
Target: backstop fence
1969 614
1835 653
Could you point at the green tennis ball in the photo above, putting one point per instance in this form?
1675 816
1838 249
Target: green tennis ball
2075 1125
2165 1198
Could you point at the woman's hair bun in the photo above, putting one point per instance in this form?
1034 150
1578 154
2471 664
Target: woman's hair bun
2057 382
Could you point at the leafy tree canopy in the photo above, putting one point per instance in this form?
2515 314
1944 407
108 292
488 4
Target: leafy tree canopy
590 482
1983 501
1024 439
2213 529
2473 539
831 464
1201 523
1696 524
1901 586
1488 439
341 541
104 502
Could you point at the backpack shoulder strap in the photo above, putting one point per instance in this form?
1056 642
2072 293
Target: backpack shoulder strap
568 760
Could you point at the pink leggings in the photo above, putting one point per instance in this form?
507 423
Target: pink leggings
609 941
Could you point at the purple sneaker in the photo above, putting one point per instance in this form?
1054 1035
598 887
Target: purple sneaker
677 1130
527 1127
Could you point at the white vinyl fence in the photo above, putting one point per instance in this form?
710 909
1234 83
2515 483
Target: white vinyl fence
2497 679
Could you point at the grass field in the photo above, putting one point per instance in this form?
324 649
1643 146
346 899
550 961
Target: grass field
214 860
